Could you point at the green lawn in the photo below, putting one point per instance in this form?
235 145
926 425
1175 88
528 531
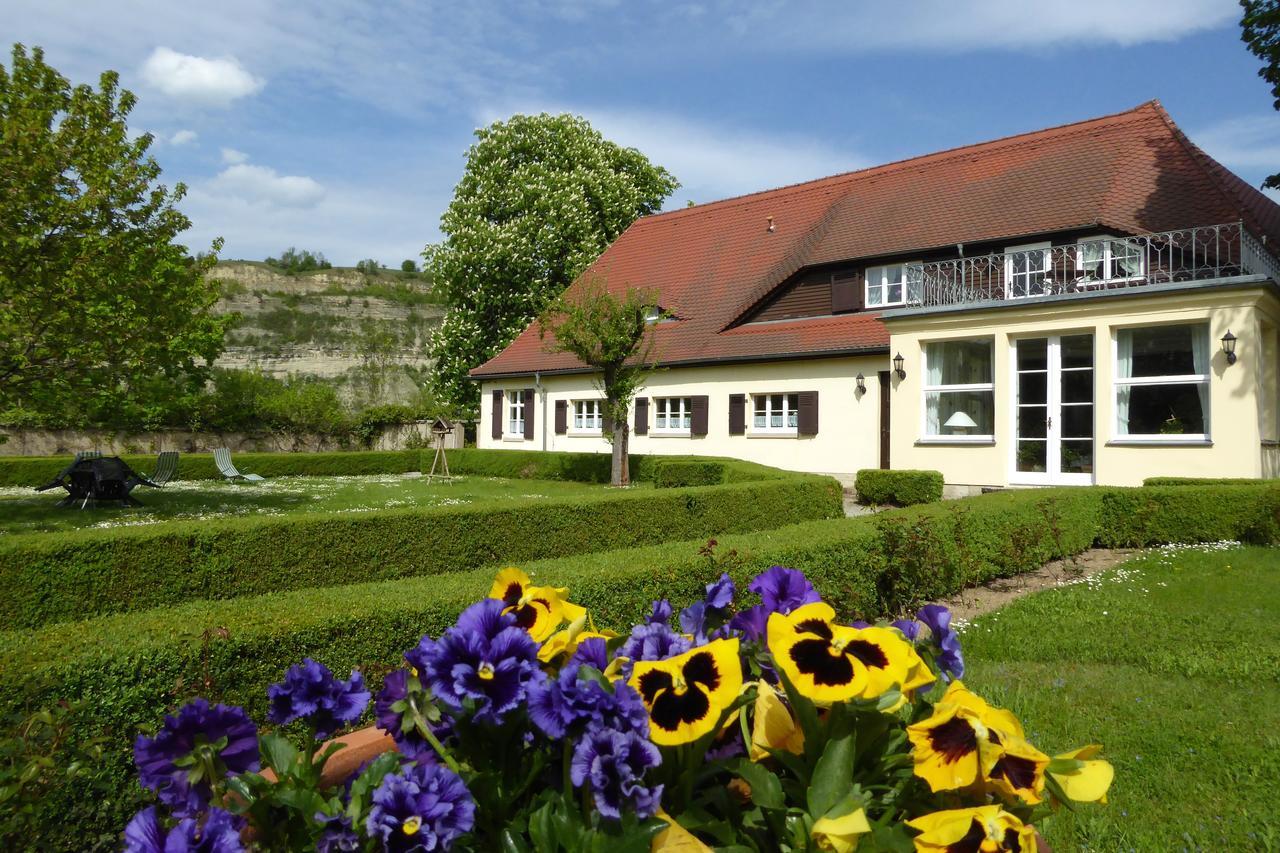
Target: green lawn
24 511
1172 662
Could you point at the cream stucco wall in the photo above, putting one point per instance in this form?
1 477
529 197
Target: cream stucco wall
848 424
1243 415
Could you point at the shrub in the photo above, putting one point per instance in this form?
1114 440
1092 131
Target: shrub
1162 514
898 488
84 573
673 474
589 467
1201 481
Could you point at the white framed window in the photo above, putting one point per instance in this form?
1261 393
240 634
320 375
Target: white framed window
1026 269
515 413
588 415
1104 259
959 390
886 285
775 413
1162 382
673 414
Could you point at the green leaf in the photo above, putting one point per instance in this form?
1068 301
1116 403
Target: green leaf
280 754
766 789
833 775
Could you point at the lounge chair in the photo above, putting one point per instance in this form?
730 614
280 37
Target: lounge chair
88 454
222 458
166 467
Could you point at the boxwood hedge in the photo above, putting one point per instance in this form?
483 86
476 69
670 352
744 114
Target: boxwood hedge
898 488
134 666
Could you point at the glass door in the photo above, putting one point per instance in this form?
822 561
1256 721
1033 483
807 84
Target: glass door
1053 410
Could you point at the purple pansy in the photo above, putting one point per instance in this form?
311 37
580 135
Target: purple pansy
594 652
783 590
558 707
910 628
720 593
653 641
310 692
937 619
410 742
614 764
693 621
337 835
485 658
661 612
423 807
751 623
219 833
198 726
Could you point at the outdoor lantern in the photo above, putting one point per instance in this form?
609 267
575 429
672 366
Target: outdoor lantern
862 385
961 422
1229 346
897 366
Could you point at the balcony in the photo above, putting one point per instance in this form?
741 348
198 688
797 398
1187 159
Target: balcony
1202 253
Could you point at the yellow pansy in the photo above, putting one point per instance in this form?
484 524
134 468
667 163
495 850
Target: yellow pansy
989 829
686 695
840 834
773 727
676 839
1089 782
1019 770
537 609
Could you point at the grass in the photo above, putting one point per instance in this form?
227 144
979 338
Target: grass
24 511
1172 662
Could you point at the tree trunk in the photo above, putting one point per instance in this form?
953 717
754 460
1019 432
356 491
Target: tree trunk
620 472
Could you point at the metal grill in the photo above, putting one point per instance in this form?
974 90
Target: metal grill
1113 263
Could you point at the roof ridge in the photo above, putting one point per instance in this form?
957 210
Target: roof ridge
893 165
1199 156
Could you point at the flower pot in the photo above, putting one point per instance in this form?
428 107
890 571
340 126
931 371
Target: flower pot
358 747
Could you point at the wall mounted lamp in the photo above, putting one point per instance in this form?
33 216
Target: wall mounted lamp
1229 346
862 385
898 361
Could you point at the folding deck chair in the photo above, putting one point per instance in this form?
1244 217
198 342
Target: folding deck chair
222 458
166 467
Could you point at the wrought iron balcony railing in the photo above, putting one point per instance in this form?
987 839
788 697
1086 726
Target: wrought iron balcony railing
1110 263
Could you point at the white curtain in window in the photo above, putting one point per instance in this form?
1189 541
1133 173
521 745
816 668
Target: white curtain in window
1200 364
1124 370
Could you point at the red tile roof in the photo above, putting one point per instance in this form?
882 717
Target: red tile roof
1132 172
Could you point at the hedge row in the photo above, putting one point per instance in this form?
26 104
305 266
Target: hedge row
898 488
591 467
677 473
78 574
134 666
1202 481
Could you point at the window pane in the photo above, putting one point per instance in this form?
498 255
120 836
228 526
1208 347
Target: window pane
1077 386
958 408
1077 351
1033 354
1033 388
894 274
1174 409
1077 457
1077 421
959 362
1033 455
875 295
1162 350
895 293
1032 421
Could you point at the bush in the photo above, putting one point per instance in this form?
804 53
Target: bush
78 574
142 663
674 474
1202 481
1156 515
898 488
589 467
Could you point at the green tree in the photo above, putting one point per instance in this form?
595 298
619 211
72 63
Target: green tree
541 197
95 294
408 265
368 266
612 334
1260 30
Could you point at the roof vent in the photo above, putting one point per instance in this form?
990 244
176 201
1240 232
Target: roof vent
770 229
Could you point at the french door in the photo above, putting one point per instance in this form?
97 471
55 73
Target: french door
1053 410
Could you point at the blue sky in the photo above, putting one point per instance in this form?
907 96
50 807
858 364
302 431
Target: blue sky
342 126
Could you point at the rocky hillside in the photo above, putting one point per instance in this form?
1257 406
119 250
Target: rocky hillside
368 334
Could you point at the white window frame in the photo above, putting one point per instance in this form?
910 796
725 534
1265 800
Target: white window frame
664 412
927 437
588 417
875 278
1107 241
787 409
1009 274
1180 379
513 426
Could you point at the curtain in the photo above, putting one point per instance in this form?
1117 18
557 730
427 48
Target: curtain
1200 364
1124 370
932 418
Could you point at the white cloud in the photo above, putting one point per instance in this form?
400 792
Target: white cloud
198 80
263 185
231 156
1243 144
182 137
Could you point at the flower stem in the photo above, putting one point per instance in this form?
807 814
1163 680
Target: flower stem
425 730
568 760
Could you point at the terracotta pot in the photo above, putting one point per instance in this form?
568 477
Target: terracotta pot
358 747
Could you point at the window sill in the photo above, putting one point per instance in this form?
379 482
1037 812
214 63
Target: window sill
778 434
514 438
675 433
965 440
584 433
1154 441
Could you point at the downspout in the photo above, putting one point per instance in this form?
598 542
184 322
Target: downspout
542 404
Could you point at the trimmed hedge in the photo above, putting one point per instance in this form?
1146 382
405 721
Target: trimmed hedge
1203 481
35 471
79 574
591 467
898 488
674 474
135 666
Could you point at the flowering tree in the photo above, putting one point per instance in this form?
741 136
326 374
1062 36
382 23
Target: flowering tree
541 197
613 335
95 294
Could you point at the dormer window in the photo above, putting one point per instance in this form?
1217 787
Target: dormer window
656 314
886 285
1105 259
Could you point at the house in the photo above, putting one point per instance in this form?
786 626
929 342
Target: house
1091 303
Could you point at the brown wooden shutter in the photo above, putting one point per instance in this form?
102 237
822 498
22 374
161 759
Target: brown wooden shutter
642 415
698 415
562 417
846 293
807 413
737 414
528 414
495 428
